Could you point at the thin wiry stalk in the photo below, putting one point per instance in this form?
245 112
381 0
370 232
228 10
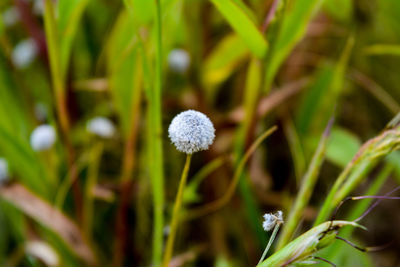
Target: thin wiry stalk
307 187
367 157
175 213
219 203
93 172
271 239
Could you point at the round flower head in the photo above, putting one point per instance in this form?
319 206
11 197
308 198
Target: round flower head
101 126
272 219
24 53
179 60
191 131
4 174
43 137
10 16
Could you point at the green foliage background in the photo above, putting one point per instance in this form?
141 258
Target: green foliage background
253 64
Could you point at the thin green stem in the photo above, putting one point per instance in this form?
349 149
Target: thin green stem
271 239
307 187
326 207
175 213
93 172
155 132
222 201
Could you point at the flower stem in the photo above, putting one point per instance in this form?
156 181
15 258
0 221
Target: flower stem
155 144
175 213
271 239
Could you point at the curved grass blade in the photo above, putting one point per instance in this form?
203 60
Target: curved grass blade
306 245
243 25
42 212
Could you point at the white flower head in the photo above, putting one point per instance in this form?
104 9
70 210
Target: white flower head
38 7
10 16
43 137
272 219
4 173
101 126
179 60
191 131
24 53
43 251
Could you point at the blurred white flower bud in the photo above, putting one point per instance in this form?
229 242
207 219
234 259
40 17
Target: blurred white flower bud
38 7
101 126
272 219
4 173
43 137
179 60
43 251
191 131
24 53
10 16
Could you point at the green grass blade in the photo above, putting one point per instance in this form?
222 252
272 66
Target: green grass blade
383 49
125 73
251 94
69 15
342 146
243 25
292 30
155 134
365 159
337 250
223 60
306 189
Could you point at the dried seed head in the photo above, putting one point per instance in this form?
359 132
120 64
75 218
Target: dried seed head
191 131
101 126
4 173
179 60
43 137
272 219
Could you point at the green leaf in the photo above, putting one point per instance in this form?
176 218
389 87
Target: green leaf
69 16
292 31
383 49
143 11
14 145
125 74
320 100
341 10
342 146
243 25
223 60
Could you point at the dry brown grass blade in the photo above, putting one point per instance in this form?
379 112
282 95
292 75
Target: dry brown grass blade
272 101
45 214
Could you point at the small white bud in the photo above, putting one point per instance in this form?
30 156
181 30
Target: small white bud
101 126
10 16
4 173
272 219
24 53
179 60
43 251
191 131
43 137
38 7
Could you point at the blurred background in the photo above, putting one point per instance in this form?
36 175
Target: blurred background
89 187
